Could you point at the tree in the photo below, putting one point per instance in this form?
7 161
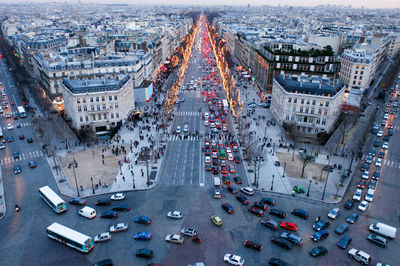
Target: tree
305 158
87 135
292 133
256 159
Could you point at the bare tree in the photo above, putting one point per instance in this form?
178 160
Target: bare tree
305 158
292 133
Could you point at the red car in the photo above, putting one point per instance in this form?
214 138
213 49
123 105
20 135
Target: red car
224 170
238 180
256 211
362 183
289 226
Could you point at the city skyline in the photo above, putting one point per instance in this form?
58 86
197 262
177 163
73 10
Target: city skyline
369 4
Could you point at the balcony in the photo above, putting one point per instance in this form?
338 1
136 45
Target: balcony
303 124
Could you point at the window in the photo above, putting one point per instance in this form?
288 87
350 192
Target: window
117 115
319 111
99 116
323 121
354 82
302 101
325 112
115 97
79 109
91 99
97 99
326 104
105 116
312 110
316 130
292 118
81 119
295 100
78 100
299 119
309 130
290 99
85 108
103 98
93 117
318 121
310 120
287 117
301 109
110 98
92 107
86 118
98 107
84 100
355 77
308 101
116 106
294 109
321 103
313 102
104 107
112 116
356 72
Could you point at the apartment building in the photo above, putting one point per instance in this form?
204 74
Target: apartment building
313 105
99 104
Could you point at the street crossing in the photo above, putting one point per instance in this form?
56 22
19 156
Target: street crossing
188 113
388 163
11 113
24 124
22 156
178 137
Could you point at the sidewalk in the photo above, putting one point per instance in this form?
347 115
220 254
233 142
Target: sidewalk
3 208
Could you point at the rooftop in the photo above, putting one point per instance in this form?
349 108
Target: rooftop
76 86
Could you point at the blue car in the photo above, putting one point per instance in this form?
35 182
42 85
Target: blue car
320 235
142 220
344 242
352 218
142 236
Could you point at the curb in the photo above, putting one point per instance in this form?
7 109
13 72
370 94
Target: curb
2 197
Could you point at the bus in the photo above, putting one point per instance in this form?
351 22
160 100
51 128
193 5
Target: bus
225 105
52 199
2 139
21 111
70 237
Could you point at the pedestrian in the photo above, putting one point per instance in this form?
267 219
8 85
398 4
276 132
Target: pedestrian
123 178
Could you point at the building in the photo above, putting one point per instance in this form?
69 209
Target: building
313 105
99 104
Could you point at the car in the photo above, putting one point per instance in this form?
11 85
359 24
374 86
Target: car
320 235
216 220
386 116
238 180
376 175
207 160
175 214
281 242
214 130
349 204
383 123
17 125
21 137
226 180
372 184
318 251
256 211
386 138
142 220
2 146
352 218
277 262
390 132
121 207
369 159
381 154
15 117
102 237
364 167
232 189
233 259
359 255
10 126
32 164
377 240
103 202
363 205
77 201
385 145
17 169
372 152
379 134
260 205
270 224
178 130
277 213
300 213
119 227
344 242
228 208
142 236
8 115
144 253
10 139
341 228
362 183
289 226
16 155
118 196
237 158
217 194
174 238
378 162
230 157
247 190
254 245
108 214
268 201
334 213
187 231
321 225
365 175
215 170
29 140
357 195
295 239
242 199
223 163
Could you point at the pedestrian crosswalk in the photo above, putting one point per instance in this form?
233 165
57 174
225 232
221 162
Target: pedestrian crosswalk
24 124
188 113
22 156
178 137
388 163
11 113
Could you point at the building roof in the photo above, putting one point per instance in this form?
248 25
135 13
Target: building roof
313 86
76 86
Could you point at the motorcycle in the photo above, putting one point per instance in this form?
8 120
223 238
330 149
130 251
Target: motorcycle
17 208
196 239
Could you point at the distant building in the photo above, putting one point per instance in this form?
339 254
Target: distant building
313 105
98 103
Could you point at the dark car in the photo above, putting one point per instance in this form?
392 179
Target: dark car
10 139
364 167
344 242
377 240
106 262
144 253
77 201
232 189
253 245
300 213
260 205
30 140
270 224
321 225
103 202
121 207
281 242
352 218
349 204
21 137
295 239
108 214
277 213
318 251
277 262
381 154
376 175
237 159
238 180
227 207
242 199
320 235
215 170
32 164
256 211
142 220
16 155
17 169
372 184
268 201
341 228
226 180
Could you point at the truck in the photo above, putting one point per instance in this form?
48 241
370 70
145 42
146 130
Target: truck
383 230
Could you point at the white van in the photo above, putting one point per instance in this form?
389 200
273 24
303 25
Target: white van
206 115
383 230
217 181
88 212
370 195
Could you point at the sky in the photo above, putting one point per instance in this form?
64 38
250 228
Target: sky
353 3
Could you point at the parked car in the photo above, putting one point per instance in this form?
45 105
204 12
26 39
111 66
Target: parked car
300 213
254 245
289 226
295 239
174 238
142 220
341 228
357 195
118 196
321 225
320 235
277 262
344 242
363 205
349 204
277 213
334 213
228 208
187 231
175 214
77 201
281 242
359 256
318 251
233 259
377 240
102 237
119 227
270 224
144 253
242 199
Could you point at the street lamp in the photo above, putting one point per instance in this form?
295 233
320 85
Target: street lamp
284 169
272 184
91 179
326 181
309 186
76 182
273 149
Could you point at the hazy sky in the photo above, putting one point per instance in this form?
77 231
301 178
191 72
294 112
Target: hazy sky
353 3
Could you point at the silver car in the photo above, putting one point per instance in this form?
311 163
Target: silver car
103 237
174 238
186 231
119 227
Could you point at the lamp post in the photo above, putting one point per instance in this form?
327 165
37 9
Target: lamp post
326 181
76 182
272 184
309 186
273 149
91 179
284 169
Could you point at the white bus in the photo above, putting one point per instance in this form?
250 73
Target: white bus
21 111
225 105
2 139
52 199
70 237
